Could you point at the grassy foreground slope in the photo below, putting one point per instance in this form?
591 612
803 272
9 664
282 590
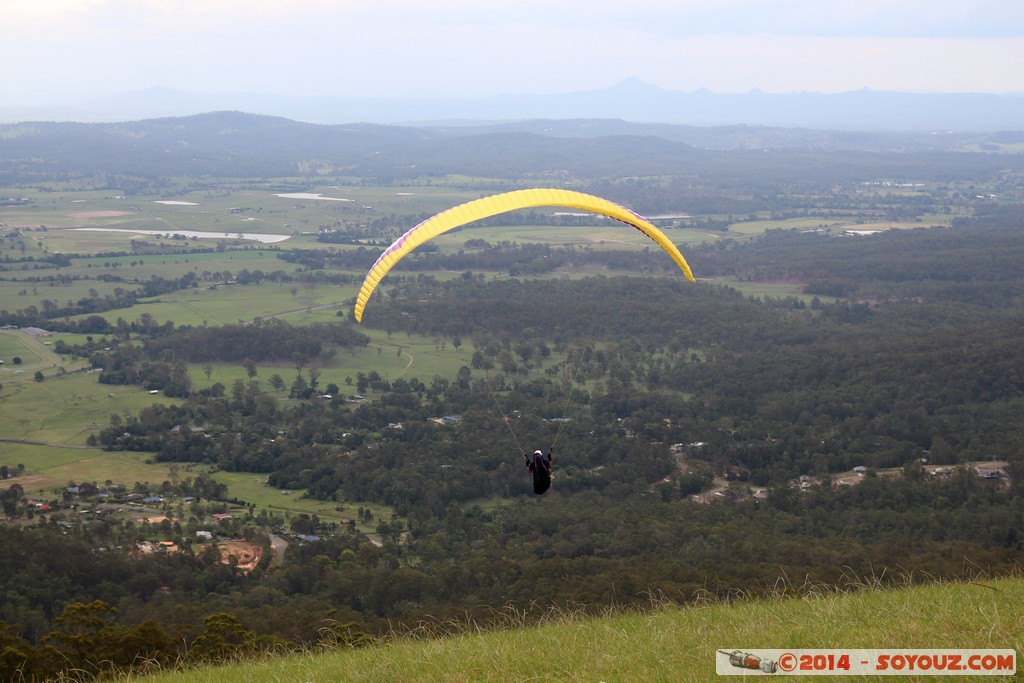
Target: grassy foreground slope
671 644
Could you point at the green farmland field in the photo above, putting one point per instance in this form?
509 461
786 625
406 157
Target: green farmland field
49 468
18 294
11 346
36 354
233 303
65 409
252 488
401 357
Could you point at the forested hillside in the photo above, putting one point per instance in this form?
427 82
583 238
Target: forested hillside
144 156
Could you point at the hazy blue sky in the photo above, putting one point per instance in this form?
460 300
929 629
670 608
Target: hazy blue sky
53 50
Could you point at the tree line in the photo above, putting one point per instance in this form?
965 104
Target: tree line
69 606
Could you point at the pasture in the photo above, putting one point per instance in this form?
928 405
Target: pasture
758 227
21 294
253 489
775 290
13 345
291 208
35 354
404 357
65 409
234 303
57 416
51 220
601 236
49 468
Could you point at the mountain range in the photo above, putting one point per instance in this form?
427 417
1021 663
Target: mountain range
235 144
630 100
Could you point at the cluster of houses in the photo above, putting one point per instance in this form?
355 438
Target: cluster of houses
993 471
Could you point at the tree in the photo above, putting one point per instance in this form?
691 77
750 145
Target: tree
39 377
250 367
15 654
238 390
299 388
223 638
78 631
277 382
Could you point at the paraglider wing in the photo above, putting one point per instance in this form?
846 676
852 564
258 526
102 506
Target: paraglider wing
502 203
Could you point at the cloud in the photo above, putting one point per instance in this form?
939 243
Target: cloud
676 17
467 47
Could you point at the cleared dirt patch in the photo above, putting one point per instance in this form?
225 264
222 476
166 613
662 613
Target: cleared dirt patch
247 554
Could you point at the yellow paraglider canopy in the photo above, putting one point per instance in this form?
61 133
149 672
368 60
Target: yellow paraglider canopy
502 203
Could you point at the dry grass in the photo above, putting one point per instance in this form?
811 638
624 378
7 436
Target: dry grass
664 643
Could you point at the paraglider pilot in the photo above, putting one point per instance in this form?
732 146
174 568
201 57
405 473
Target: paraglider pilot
541 470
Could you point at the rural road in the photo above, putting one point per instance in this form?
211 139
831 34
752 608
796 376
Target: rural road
279 545
45 443
297 311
